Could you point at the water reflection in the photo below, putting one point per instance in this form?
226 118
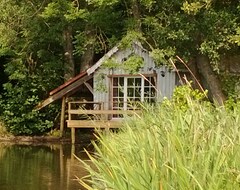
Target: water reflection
40 167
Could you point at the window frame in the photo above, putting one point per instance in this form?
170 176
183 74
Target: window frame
125 103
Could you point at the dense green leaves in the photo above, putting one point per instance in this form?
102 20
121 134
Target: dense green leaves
32 35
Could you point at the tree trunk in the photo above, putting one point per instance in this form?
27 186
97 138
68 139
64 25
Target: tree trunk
192 65
69 66
87 59
136 14
213 83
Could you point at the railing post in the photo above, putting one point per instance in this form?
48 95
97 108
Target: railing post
72 128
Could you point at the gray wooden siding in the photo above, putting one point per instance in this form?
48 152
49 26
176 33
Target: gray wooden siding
165 77
101 95
165 82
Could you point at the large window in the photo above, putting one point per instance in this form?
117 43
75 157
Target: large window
128 91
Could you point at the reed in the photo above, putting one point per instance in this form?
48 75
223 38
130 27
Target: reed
170 148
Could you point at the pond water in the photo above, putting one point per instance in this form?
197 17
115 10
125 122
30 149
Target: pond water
40 167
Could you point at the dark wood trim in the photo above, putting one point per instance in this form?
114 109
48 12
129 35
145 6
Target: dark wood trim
68 83
135 75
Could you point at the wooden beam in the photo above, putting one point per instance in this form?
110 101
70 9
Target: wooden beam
63 92
89 87
107 112
94 123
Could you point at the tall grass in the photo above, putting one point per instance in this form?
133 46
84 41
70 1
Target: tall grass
170 148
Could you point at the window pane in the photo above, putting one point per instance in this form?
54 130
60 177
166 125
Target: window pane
121 81
115 81
115 92
130 92
115 99
153 92
146 83
138 92
121 94
146 92
130 81
138 81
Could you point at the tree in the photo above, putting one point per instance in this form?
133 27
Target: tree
33 67
200 30
50 41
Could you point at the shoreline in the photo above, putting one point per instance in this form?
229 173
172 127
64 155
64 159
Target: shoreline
83 139
33 139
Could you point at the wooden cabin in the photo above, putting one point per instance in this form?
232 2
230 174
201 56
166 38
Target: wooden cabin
114 91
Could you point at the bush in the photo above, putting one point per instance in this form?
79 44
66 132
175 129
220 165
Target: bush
170 148
18 112
17 108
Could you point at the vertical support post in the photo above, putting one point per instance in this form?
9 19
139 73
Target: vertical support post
62 121
73 135
102 108
73 149
72 128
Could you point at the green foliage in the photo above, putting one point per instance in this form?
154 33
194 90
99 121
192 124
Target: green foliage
34 67
64 10
130 38
231 86
103 2
170 148
32 35
236 38
184 95
133 64
110 64
194 7
162 56
17 105
101 83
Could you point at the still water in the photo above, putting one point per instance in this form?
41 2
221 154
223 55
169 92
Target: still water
40 167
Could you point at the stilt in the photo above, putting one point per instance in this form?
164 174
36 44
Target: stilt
73 135
73 149
62 121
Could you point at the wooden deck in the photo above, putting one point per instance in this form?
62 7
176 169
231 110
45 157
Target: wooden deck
91 115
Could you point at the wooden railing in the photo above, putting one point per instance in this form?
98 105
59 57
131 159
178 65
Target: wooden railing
92 115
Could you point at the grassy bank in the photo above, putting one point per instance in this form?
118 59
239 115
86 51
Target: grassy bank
171 146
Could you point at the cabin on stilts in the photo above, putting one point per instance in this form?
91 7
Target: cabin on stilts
114 89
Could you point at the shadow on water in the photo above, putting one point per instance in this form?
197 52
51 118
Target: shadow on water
41 167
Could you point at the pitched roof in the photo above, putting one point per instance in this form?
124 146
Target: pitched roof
78 80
